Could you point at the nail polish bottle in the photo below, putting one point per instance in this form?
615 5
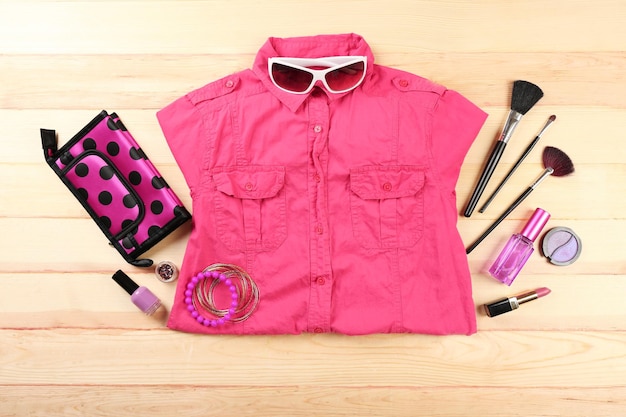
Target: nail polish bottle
518 249
142 297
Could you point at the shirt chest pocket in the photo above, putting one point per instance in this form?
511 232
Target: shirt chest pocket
250 210
387 205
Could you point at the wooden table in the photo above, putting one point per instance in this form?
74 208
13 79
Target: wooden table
71 343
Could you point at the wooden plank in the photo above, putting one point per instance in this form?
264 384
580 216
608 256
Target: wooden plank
488 359
229 27
307 400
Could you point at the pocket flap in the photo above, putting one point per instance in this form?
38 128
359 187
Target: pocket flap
251 182
382 182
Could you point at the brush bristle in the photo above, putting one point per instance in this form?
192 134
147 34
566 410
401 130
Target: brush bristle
525 96
558 161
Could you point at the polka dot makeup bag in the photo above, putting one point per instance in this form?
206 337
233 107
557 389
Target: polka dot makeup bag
107 171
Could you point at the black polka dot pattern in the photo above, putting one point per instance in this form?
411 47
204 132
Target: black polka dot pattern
112 125
135 178
135 154
158 183
82 170
113 148
129 201
105 198
106 173
98 184
109 171
106 222
89 144
156 207
127 223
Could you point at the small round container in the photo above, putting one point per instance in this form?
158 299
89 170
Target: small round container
561 246
166 271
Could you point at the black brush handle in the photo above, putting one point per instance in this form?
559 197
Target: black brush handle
499 220
493 160
517 164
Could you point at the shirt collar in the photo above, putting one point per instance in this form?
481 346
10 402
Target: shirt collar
309 47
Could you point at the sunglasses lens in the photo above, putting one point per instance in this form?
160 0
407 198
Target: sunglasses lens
346 77
292 79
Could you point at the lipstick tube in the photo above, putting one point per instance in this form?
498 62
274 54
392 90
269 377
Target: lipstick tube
509 304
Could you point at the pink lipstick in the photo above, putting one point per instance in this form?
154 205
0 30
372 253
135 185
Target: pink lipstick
509 304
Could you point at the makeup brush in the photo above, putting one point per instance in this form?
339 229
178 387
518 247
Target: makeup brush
517 164
525 96
556 163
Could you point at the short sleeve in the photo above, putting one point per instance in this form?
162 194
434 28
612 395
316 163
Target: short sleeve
183 129
456 123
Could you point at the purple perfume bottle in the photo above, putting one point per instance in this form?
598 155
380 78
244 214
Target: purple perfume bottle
518 249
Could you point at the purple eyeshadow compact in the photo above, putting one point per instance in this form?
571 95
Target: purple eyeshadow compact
561 246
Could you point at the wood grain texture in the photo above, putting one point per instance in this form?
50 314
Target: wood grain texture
72 344
305 401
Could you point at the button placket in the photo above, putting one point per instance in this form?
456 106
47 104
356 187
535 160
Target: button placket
319 313
317 128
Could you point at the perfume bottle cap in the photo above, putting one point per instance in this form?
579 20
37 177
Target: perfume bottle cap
535 224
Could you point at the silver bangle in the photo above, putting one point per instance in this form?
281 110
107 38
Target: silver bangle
245 287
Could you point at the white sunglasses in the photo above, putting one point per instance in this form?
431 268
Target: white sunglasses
299 75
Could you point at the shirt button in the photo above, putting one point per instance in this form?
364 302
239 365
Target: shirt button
230 84
319 229
249 186
318 330
320 281
317 128
387 186
317 178
403 83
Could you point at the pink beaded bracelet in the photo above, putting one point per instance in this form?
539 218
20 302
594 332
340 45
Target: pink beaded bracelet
244 295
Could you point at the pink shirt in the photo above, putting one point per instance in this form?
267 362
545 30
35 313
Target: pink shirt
341 207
